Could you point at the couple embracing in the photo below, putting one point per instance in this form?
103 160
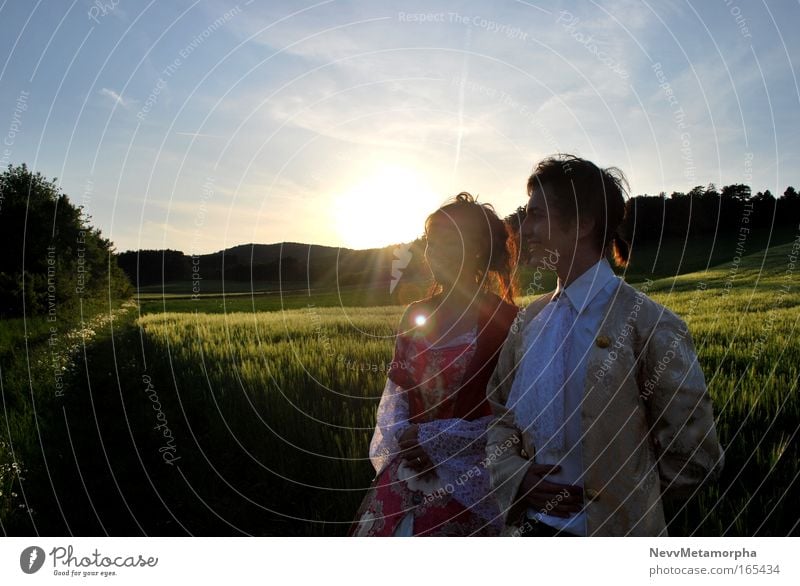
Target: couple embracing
575 416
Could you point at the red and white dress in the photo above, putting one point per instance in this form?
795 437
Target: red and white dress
441 388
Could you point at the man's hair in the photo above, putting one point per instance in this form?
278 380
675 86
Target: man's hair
582 189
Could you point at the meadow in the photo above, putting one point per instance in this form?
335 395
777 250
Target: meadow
314 375
269 414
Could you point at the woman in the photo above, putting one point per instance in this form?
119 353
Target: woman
429 441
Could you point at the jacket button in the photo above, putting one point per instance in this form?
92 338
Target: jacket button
603 341
591 494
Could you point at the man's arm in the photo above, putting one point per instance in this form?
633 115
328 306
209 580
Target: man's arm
679 410
506 464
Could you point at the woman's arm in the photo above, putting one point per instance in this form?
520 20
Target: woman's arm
392 420
457 450
393 412
447 439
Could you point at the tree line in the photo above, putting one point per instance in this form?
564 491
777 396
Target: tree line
54 257
702 211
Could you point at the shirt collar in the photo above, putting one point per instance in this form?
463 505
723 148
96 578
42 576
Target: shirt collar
585 288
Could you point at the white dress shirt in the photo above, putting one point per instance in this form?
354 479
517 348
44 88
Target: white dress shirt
589 295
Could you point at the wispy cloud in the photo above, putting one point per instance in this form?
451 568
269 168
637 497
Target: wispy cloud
198 135
109 93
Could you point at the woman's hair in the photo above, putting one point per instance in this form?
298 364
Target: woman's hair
583 189
497 250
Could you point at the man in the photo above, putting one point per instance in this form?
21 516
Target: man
601 406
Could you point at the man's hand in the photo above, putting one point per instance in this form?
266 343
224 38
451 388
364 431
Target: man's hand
412 452
560 500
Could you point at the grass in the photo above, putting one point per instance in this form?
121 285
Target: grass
274 300
270 413
745 321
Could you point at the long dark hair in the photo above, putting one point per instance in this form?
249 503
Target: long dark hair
497 253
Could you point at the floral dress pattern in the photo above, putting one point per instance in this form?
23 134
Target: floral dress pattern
454 499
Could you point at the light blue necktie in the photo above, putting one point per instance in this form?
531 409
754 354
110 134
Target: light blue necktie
537 394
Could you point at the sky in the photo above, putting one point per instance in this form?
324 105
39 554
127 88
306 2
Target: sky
200 125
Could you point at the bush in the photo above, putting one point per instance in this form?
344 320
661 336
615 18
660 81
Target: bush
53 257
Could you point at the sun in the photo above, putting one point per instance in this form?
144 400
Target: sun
387 206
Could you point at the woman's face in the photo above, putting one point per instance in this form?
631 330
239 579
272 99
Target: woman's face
450 252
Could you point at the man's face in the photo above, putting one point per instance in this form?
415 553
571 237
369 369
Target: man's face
545 234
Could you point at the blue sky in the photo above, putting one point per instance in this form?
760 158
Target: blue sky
202 125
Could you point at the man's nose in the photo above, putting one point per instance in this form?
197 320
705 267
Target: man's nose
526 228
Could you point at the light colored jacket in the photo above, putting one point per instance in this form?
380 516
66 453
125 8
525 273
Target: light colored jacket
647 421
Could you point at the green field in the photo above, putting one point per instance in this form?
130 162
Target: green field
649 261
270 414
265 301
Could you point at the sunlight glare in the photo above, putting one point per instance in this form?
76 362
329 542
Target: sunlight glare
388 206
